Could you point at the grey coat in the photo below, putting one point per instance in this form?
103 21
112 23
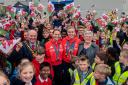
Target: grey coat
90 52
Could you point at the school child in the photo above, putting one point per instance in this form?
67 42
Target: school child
3 79
26 75
121 68
101 75
15 72
101 58
75 63
83 73
43 78
39 58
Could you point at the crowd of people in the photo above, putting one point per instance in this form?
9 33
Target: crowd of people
64 49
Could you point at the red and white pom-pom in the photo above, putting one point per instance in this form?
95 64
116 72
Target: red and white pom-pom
32 14
40 7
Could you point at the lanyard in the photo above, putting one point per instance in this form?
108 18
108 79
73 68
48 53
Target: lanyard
57 51
69 47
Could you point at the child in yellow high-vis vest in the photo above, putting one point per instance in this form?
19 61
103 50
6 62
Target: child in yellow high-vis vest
101 75
83 73
75 63
101 58
121 69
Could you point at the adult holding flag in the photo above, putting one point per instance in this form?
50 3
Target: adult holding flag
25 49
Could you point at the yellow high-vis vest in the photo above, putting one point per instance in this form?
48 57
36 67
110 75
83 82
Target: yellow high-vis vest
70 72
119 78
93 66
77 79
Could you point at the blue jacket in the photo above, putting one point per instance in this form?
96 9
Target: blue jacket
108 81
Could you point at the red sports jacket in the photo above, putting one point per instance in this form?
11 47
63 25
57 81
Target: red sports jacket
48 82
70 46
37 67
54 51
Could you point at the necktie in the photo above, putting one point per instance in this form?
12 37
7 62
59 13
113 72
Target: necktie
33 46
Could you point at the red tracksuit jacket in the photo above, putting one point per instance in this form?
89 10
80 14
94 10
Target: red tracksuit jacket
70 44
37 67
54 51
43 82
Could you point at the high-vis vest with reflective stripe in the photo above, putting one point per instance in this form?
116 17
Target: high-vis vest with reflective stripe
77 79
70 72
92 81
93 66
119 78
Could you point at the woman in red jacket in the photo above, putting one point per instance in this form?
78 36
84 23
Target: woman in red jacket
54 53
70 46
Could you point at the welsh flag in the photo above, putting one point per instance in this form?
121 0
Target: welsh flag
70 7
33 14
22 12
9 25
101 22
7 45
105 17
76 13
50 8
31 6
40 7
3 32
11 10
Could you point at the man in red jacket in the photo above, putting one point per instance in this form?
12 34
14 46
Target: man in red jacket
70 46
54 52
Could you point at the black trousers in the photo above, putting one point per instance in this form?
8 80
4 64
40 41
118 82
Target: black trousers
66 80
57 80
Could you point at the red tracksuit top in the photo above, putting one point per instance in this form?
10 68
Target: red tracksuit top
37 67
48 82
54 51
70 44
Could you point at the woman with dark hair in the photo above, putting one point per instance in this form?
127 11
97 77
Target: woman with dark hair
45 36
41 28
